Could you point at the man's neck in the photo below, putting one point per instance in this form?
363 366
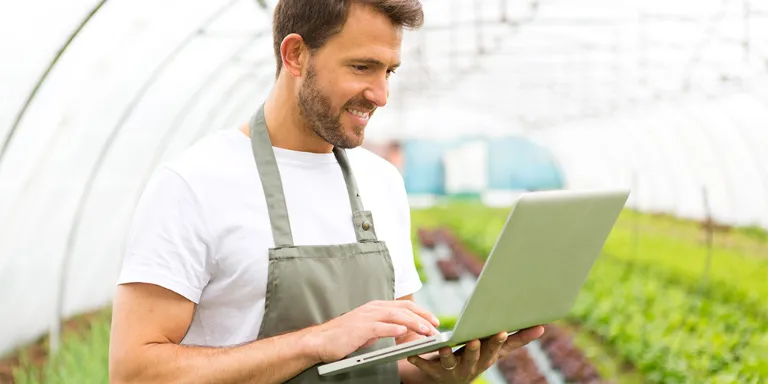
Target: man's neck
285 126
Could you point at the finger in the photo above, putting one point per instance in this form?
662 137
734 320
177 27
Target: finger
430 368
522 338
470 356
406 318
447 358
413 307
369 343
490 350
379 329
421 312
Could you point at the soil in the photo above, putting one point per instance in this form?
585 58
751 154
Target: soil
519 368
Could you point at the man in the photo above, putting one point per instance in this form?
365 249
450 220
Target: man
254 255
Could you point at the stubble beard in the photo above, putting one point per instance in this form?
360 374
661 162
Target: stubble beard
316 109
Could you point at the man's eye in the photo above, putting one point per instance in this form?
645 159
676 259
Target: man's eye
360 67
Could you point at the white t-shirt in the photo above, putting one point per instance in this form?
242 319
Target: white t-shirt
201 228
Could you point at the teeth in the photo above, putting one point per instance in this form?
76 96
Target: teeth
358 113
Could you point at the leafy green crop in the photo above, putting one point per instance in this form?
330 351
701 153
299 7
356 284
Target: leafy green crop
649 305
83 358
653 306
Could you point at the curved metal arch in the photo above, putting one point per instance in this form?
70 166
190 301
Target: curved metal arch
237 84
243 102
645 177
751 147
166 141
212 77
706 130
95 171
686 163
682 119
173 131
654 137
44 77
640 150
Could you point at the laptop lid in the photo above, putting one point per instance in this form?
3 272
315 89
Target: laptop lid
540 261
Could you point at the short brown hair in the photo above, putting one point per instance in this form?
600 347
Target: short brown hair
319 20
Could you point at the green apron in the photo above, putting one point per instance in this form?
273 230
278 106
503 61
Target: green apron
309 285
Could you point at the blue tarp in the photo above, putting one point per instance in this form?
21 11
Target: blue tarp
514 163
423 167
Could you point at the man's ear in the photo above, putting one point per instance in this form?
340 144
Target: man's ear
293 52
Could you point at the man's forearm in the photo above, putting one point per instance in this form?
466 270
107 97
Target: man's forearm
271 360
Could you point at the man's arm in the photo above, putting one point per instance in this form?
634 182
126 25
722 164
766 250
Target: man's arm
149 321
166 267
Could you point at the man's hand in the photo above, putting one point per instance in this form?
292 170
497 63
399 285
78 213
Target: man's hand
361 327
148 325
466 364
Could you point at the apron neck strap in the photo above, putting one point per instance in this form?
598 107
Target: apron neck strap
362 220
269 174
270 180
349 180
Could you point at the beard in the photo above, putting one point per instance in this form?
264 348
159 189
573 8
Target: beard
316 109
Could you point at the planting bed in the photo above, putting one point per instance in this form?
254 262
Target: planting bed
567 358
518 367
668 306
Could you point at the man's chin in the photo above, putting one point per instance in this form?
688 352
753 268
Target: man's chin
351 141
350 144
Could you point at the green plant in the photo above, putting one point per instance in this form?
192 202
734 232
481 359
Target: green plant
652 304
446 322
83 358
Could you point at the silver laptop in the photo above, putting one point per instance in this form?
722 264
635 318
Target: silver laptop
532 276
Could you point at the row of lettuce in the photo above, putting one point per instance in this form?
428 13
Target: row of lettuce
648 300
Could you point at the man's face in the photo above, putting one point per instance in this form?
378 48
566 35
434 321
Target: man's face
347 79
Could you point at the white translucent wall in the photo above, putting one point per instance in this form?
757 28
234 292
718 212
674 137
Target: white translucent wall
662 90
667 98
673 153
142 80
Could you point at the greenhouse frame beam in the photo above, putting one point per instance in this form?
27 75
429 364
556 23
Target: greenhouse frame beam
20 115
539 23
751 145
171 133
225 97
55 332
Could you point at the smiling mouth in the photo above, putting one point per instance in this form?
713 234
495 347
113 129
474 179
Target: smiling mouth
359 113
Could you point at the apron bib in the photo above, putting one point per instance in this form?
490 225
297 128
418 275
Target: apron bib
309 285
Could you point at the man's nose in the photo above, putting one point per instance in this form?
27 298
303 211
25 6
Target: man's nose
378 92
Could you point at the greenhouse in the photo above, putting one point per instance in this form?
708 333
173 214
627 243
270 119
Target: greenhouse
495 99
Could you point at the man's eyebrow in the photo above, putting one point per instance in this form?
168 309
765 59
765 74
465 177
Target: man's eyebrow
373 62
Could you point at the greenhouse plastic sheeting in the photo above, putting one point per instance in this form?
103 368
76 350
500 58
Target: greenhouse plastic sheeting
674 153
666 96
131 90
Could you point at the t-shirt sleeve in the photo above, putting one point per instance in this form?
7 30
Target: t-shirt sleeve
167 243
407 280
